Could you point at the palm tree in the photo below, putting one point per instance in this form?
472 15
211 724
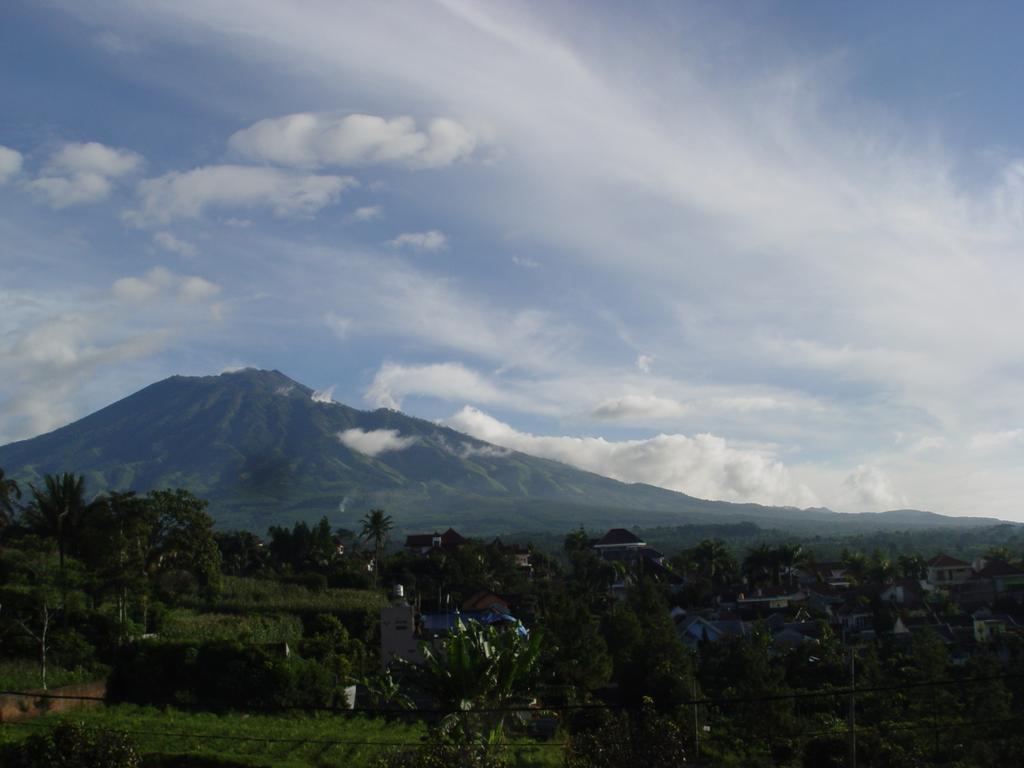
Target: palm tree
376 526
713 561
57 511
759 564
787 558
10 492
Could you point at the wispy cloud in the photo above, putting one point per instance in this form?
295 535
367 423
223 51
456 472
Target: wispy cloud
189 194
432 240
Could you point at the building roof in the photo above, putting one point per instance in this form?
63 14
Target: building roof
449 539
943 560
617 537
417 540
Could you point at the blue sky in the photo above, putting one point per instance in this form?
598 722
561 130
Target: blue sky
760 251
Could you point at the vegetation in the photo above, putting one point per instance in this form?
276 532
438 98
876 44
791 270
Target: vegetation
250 646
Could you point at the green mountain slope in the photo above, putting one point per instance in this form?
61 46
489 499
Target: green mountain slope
264 452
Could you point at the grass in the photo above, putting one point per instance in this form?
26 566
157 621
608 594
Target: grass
23 675
300 741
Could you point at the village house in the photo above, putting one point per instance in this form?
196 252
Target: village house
424 543
944 570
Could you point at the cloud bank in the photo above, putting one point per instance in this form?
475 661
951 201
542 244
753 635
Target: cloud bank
704 466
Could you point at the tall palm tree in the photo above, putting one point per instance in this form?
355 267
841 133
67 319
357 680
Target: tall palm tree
57 511
376 527
787 558
759 564
10 492
713 561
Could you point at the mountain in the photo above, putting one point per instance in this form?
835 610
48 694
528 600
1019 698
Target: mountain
266 450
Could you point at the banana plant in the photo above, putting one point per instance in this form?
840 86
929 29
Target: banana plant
478 675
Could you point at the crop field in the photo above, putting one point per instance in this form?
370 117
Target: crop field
300 741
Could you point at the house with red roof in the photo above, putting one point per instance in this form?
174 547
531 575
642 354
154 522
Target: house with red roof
945 570
424 543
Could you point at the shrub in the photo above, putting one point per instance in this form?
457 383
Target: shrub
74 745
220 676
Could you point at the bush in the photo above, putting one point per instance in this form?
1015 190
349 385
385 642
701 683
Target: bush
445 751
220 676
604 739
74 745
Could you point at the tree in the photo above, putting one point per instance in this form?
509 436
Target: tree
10 493
758 565
181 541
32 598
376 527
576 652
116 546
911 567
713 560
576 541
786 559
57 511
479 668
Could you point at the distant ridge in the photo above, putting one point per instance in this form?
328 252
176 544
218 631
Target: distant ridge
263 450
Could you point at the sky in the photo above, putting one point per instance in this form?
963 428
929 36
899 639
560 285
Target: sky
756 251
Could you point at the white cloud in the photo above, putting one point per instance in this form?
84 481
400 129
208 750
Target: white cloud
994 442
160 281
62 191
437 313
525 262
639 407
367 213
10 163
869 489
307 140
644 363
375 442
64 354
394 382
170 243
340 326
188 194
80 173
196 288
325 396
432 240
93 158
704 466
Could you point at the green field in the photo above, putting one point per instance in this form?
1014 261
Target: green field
300 741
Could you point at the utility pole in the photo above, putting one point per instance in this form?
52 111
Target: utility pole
696 721
851 720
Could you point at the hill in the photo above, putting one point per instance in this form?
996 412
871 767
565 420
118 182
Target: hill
265 450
